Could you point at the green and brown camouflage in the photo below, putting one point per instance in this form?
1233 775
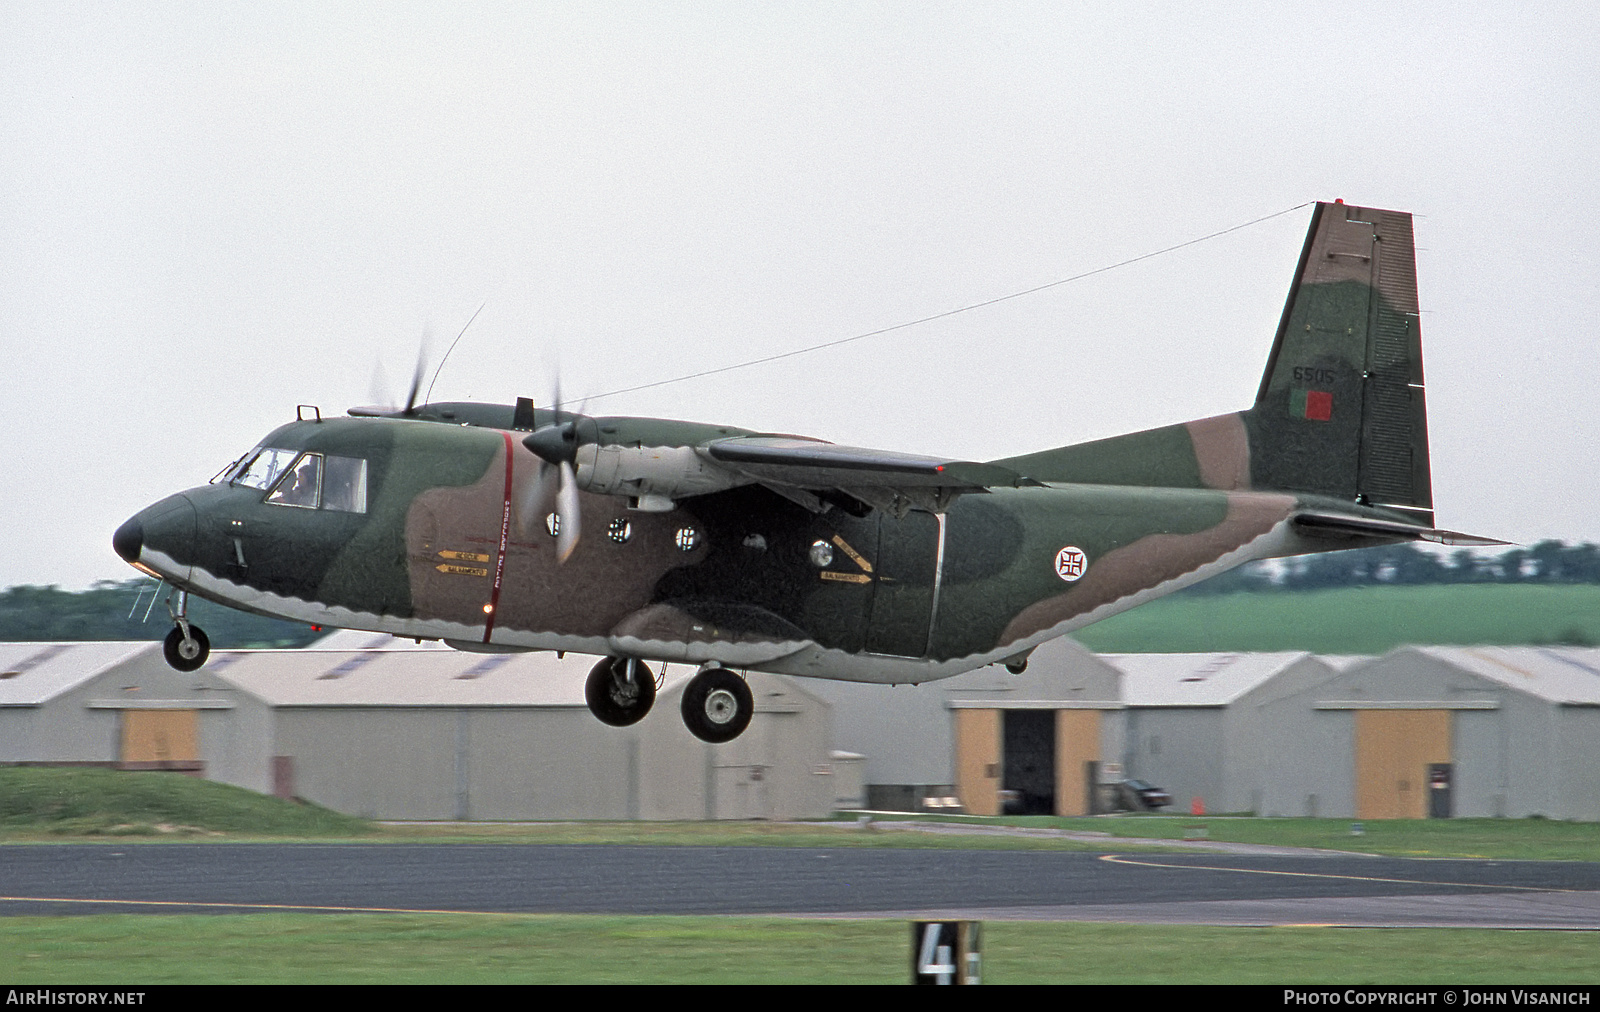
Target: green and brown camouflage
717 545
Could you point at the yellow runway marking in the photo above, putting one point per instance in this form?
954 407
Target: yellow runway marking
1117 859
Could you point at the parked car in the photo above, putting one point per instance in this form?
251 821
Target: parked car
1140 796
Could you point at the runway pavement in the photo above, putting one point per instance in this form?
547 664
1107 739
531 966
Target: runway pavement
1211 888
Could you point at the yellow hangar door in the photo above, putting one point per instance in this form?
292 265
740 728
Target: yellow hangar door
978 761
1393 751
155 738
1077 745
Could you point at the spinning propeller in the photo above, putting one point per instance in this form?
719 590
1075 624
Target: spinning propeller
382 405
553 490
556 446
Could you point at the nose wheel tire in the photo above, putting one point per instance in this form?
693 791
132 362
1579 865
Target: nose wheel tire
615 699
717 705
186 653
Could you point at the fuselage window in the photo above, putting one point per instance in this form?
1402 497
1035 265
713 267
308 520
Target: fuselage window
300 486
344 485
263 468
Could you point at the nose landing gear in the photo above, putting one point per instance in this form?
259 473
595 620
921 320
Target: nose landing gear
186 646
620 691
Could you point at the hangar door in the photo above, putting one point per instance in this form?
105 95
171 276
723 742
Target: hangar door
1394 749
1045 750
160 738
1077 745
978 761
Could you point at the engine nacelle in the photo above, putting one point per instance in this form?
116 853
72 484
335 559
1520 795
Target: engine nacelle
652 477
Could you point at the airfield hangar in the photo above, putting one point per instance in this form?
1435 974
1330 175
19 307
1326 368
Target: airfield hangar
370 726
1059 736
413 734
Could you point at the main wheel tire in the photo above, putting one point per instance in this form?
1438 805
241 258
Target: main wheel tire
613 699
186 654
717 705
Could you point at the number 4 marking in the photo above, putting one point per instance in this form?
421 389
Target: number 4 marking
931 950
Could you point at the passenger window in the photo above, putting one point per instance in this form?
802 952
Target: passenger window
344 485
264 468
299 487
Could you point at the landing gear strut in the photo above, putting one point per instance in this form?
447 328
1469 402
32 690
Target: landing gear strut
186 646
620 691
717 705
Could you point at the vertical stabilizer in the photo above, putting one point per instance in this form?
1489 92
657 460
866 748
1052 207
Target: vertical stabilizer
1341 410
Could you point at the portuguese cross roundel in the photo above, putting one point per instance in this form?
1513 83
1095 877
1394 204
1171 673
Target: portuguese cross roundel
1071 563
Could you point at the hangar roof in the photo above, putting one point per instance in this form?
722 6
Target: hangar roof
1196 679
32 673
400 677
1568 675
358 639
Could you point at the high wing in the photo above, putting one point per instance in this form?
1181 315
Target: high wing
883 478
658 462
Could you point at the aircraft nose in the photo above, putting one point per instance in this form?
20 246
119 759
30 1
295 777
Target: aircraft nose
160 539
129 540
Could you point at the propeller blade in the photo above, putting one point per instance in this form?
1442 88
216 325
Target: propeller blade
567 510
538 498
378 390
417 373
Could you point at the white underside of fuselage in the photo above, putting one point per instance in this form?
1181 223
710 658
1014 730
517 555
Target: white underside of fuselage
803 658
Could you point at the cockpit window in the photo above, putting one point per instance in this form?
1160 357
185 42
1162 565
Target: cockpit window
330 483
344 485
301 485
263 468
228 473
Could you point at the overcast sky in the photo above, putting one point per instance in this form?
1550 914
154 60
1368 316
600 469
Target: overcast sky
210 213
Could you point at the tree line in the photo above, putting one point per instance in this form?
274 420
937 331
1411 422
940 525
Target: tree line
133 610
1548 562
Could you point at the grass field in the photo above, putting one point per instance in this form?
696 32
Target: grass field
57 805
126 950
1356 620
102 802
1498 839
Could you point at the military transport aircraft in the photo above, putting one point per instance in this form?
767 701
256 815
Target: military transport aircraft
510 527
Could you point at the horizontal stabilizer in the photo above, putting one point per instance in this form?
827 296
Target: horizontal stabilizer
1335 524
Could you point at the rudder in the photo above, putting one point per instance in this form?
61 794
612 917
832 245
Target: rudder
1341 410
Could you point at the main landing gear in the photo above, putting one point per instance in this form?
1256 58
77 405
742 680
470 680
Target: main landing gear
186 646
717 704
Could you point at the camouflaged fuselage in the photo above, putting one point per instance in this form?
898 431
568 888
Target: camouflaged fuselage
452 543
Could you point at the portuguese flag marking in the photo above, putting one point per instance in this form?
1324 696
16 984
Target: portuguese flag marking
1314 405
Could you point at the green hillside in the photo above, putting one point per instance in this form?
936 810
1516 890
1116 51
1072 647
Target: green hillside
1355 620
96 802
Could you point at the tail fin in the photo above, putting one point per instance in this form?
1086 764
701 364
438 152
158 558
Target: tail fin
1341 409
